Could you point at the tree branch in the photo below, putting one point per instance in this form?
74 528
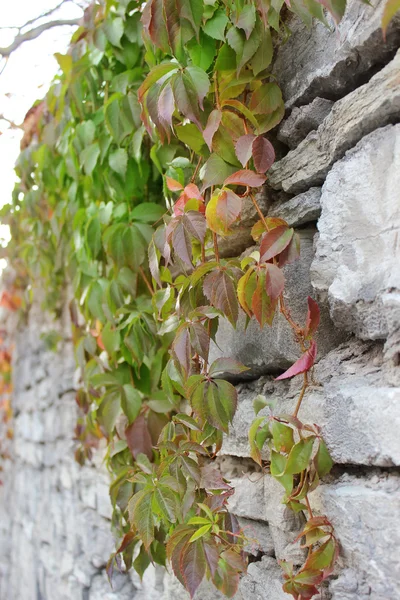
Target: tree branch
35 33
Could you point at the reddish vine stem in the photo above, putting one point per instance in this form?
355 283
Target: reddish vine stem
303 389
216 250
146 281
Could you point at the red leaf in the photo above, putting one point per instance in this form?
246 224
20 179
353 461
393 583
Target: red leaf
182 348
303 364
220 291
166 104
313 317
291 252
138 438
10 301
193 565
228 208
262 305
274 281
263 154
191 225
192 191
244 148
173 185
213 123
245 177
274 242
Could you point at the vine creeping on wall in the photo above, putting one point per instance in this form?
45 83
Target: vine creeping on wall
134 166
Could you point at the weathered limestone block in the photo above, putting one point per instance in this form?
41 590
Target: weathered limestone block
302 120
303 208
263 581
358 250
363 509
356 404
273 348
373 105
331 63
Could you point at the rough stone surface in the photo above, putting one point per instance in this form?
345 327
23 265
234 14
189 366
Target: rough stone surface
329 63
356 402
370 106
300 210
358 249
274 348
302 120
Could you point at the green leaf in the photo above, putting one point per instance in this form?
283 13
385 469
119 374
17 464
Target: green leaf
254 448
226 365
215 27
275 241
148 212
190 135
278 465
93 236
259 403
165 501
299 456
141 562
263 57
282 436
322 558
89 157
118 161
247 19
323 461
114 30
111 339
215 171
202 53
131 402
266 99
141 516
200 532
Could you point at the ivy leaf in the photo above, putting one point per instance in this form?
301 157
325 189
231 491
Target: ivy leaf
200 532
263 154
141 515
245 177
192 11
173 185
254 448
299 456
247 19
244 148
147 212
214 172
166 105
323 462
222 211
200 81
93 236
215 27
182 348
226 365
202 53
165 501
111 339
303 364
274 242
212 126
131 402
89 157
138 438
282 436
323 557
335 7
263 57
220 291
118 161
274 281
186 98
191 226
313 317
193 565
291 252
114 30
262 305
266 99
155 75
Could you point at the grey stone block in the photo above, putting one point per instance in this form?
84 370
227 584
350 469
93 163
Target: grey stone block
356 404
357 253
300 210
274 348
318 61
302 120
363 511
373 105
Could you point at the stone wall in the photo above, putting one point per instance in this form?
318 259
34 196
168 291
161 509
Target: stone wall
338 183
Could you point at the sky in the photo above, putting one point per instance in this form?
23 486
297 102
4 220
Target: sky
25 78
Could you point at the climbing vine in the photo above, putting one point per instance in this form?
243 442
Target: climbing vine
133 168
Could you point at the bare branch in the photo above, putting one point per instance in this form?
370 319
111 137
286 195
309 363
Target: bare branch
43 15
34 33
12 125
